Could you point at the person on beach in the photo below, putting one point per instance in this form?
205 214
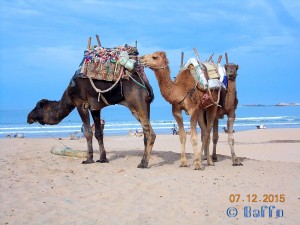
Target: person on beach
93 126
174 129
102 124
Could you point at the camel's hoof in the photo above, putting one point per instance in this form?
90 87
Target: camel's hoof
199 167
143 165
214 158
237 164
88 161
183 165
211 164
102 161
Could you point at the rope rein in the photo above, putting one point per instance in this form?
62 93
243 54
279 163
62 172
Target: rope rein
53 137
156 68
211 98
99 91
189 93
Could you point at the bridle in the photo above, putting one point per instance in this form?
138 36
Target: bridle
152 67
155 68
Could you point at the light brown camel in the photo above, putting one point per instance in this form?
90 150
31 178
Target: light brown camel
183 95
229 102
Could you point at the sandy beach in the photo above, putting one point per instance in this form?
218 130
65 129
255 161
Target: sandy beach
38 187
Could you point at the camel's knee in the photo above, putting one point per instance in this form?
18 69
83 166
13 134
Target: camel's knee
182 139
215 140
194 141
88 135
205 137
153 137
231 141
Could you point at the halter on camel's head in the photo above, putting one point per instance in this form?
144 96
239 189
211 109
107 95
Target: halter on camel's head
231 69
155 61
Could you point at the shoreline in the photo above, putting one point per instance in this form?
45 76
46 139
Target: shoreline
52 189
248 118
79 134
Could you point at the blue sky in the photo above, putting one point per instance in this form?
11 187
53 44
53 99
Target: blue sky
42 42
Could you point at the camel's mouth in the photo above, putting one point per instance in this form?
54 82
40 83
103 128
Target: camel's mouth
145 65
154 61
142 61
31 120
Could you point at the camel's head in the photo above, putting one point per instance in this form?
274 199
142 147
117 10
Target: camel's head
156 60
42 113
231 71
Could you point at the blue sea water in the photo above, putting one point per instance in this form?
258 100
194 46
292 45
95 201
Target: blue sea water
119 121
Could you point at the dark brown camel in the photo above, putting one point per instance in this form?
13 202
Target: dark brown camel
81 95
228 102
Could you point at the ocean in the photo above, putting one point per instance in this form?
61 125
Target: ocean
119 121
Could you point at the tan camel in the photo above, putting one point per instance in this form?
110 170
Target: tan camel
229 104
183 95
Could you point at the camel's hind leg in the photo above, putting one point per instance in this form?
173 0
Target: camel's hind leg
182 135
235 161
96 114
203 127
211 113
215 139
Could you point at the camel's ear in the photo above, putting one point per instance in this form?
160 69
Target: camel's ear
163 54
41 103
237 67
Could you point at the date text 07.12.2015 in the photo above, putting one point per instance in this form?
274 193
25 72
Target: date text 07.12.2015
257 198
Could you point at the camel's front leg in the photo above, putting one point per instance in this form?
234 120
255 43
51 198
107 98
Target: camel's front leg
182 135
84 115
194 141
202 124
235 161
96 114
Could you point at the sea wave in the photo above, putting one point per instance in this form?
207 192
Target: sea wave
245 121
266 118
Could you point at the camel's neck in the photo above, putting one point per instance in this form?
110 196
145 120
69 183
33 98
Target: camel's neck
61 109
231 95
166 85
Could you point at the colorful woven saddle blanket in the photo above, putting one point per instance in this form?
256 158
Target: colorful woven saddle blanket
107 63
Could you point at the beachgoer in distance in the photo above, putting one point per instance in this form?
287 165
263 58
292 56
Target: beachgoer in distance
174 129
93 126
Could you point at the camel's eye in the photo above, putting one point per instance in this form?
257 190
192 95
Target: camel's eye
154 57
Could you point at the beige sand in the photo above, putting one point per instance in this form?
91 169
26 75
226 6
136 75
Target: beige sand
37 187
